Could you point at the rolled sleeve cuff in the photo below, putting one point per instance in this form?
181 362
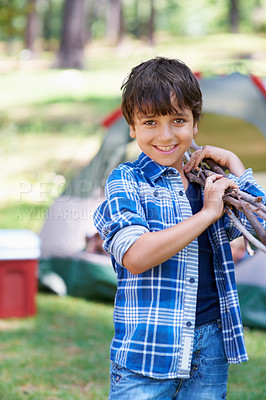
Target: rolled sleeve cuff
124 239
247 183
246 177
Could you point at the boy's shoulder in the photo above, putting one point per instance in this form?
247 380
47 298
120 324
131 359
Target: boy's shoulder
143 169
127 171
133 169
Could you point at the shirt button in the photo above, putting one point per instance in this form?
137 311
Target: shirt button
188 324
192 280
156 193
181 193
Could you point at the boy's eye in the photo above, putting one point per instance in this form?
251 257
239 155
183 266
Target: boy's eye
179 120
150 122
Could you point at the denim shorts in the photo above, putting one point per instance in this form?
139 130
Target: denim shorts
208 376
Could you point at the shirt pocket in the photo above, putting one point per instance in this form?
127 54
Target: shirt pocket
159 208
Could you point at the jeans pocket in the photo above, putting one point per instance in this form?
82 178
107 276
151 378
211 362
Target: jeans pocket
214 371
212 363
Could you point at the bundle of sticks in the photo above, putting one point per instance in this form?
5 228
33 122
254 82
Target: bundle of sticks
234 201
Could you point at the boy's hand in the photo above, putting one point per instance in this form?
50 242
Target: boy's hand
214 191
224 158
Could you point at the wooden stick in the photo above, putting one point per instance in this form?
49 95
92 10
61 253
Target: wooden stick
244 231
194 178
229 198
255 210
250 251
258 228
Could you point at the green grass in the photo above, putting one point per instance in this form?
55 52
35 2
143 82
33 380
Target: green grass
63 354
247 381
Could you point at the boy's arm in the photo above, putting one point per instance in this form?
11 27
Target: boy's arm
121 209
154 248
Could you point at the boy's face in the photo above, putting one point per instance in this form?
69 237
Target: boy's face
165 138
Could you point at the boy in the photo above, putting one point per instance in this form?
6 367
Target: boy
177 320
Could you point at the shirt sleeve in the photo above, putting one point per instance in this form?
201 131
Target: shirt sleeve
124 239
248 184
121 209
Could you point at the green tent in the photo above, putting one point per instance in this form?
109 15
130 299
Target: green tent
251 285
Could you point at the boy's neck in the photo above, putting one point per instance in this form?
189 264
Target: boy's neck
184 179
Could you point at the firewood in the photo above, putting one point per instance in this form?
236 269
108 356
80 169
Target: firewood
234 201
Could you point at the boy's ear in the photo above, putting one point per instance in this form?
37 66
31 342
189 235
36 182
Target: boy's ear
132 132
195 129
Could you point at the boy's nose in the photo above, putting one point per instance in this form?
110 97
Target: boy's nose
166 132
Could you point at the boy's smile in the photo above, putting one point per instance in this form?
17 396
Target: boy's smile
166 149
165 138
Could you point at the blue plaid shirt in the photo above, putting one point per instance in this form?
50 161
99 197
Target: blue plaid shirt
154 314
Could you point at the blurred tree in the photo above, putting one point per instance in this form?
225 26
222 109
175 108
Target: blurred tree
234 15
50 13
114 26
32 26
70 54
152 23
139 19
136 23
259 16
47 18
89 18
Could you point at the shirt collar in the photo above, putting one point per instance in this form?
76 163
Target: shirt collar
152 169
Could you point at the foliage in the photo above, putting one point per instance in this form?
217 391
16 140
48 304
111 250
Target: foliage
12 18
185 17
203 17
190 18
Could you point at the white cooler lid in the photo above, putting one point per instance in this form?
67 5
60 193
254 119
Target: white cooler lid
18 244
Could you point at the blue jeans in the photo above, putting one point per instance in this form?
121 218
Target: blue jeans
208 376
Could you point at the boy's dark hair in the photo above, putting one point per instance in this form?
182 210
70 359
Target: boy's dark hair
149 87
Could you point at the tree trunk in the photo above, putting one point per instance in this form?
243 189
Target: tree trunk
114 30
47 23
234 15
152 23
90 17
136 30
32 26
70 54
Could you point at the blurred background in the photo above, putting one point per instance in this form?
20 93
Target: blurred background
61 67
62 63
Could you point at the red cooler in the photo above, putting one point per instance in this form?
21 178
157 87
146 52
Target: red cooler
19 253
